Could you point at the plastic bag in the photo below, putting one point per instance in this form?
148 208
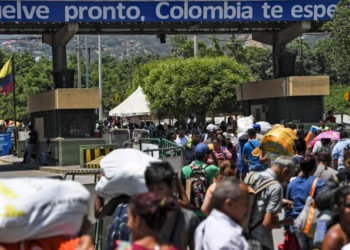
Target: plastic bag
33 208
265 127
245 123
123 173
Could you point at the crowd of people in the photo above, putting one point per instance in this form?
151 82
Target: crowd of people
222 174
225 197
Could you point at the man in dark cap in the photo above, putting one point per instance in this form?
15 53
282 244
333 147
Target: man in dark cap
257 129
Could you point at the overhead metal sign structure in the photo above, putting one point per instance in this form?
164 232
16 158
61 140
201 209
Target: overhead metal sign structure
271 22
150 17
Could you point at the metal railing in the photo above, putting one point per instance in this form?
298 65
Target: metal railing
117 136
94 172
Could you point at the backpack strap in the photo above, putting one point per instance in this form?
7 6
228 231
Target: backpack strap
251 144
250 178
262 186
313 188
335 178
192 165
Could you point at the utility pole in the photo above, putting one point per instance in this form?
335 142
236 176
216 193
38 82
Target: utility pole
87 62
100 76
301 54
89 55
195 45
78 61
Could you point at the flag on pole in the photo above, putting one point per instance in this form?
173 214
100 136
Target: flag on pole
6 78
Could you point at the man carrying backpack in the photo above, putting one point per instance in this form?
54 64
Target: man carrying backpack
197 176
267 200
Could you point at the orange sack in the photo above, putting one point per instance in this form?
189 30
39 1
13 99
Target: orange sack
52 243
278 140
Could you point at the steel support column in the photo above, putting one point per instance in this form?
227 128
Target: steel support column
279 39
278 49
58 42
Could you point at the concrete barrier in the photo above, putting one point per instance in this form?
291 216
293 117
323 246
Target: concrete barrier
89 153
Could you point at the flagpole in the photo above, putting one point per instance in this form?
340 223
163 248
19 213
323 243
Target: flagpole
14 102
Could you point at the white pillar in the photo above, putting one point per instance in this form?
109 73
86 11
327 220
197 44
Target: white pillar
195 44
100 76
87 62
78 61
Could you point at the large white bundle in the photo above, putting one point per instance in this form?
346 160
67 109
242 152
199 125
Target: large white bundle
33 208
123 173
245 123
265 127
211 127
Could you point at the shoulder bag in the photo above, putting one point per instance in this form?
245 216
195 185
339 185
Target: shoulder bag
307 220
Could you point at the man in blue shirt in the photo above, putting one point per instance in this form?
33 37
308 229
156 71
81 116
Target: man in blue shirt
338 151
249 159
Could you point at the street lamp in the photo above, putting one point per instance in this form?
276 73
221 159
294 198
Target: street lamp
301 55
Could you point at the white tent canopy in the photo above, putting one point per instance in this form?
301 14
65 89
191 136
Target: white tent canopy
134 105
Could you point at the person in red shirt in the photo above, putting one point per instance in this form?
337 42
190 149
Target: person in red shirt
331 118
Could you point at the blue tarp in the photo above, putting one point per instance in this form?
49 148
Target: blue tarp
5 144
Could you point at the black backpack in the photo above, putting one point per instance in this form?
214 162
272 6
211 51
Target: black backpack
199 185
324 149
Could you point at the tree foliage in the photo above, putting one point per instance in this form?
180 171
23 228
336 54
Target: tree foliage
335 101
182 87
258 59
30 78
183 47
304 57
339 42
117 77
181 84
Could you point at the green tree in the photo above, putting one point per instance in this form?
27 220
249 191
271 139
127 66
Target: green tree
214 50
335 101
303 63
339 48
30 78
234 48
184 48
323 59
117 78
182 87
260 61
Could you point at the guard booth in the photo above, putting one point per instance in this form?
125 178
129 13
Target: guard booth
67 116
290 98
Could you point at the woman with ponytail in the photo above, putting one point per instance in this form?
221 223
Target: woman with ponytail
146 216
227 168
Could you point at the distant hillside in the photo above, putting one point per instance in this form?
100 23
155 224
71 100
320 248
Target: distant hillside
120 46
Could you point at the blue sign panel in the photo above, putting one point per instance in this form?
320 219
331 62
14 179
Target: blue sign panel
5 144
163 11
